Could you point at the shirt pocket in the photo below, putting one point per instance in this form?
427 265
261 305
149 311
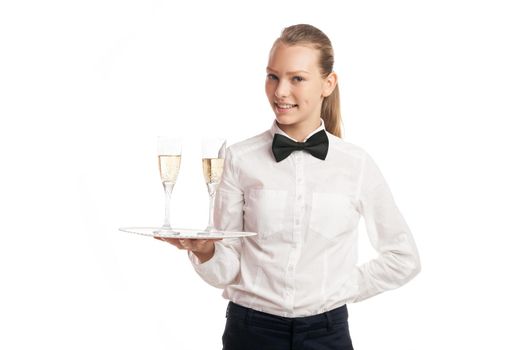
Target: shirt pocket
264 211
332 214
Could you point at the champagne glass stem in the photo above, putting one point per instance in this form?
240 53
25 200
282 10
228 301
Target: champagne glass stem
210 213
168 188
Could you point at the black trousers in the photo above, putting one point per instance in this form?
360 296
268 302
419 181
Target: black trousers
247 329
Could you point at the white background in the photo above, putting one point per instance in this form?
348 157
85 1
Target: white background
433 90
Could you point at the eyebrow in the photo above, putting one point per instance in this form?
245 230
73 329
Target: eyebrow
288 73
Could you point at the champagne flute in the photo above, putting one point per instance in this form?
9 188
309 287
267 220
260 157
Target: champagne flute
213 151
169 157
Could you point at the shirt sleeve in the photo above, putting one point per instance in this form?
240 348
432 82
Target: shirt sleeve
398 259
224 267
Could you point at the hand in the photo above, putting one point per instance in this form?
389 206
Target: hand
202 248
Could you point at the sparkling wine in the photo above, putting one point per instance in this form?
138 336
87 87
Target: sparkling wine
212 169
169 168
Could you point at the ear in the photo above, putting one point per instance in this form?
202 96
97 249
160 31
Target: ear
329 84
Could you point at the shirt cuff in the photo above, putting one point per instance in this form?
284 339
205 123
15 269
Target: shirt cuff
206 266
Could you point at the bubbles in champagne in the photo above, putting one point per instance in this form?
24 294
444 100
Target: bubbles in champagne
212 169
169 168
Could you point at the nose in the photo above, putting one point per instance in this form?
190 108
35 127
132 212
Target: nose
282 90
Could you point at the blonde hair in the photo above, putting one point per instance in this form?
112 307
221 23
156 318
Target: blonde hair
306 34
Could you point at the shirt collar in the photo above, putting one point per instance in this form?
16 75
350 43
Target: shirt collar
276 130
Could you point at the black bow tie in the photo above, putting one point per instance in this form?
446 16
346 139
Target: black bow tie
317 145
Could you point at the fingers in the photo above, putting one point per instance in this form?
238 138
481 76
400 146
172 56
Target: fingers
186 244
197 245
173 241
194 245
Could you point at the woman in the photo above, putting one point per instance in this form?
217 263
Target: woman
303 190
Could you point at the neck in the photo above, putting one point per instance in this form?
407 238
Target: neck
301 131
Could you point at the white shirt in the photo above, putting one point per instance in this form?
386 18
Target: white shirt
306 213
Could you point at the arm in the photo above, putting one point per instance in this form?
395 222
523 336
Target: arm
398 259
222 268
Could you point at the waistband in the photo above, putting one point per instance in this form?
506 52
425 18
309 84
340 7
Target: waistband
262 319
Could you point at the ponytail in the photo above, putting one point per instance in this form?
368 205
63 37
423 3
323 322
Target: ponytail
331 113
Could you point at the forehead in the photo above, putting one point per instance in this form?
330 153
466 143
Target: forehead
285 58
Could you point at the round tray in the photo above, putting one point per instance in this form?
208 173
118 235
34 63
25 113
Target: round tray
185 233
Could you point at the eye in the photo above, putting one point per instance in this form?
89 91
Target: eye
297 78
271 77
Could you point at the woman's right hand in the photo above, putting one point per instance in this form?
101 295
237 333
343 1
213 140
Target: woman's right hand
202 248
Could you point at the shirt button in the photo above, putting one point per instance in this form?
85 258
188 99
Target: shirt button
297 222
299 197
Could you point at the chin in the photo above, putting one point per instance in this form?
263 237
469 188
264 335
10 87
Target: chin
286 120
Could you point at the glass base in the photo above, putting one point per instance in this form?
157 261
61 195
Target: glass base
166 231
207 231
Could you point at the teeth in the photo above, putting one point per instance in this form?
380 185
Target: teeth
285 106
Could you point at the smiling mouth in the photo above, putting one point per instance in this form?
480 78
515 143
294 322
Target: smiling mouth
285 105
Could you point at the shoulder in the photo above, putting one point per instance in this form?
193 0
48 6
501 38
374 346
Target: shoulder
345 149
354 157
251 145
